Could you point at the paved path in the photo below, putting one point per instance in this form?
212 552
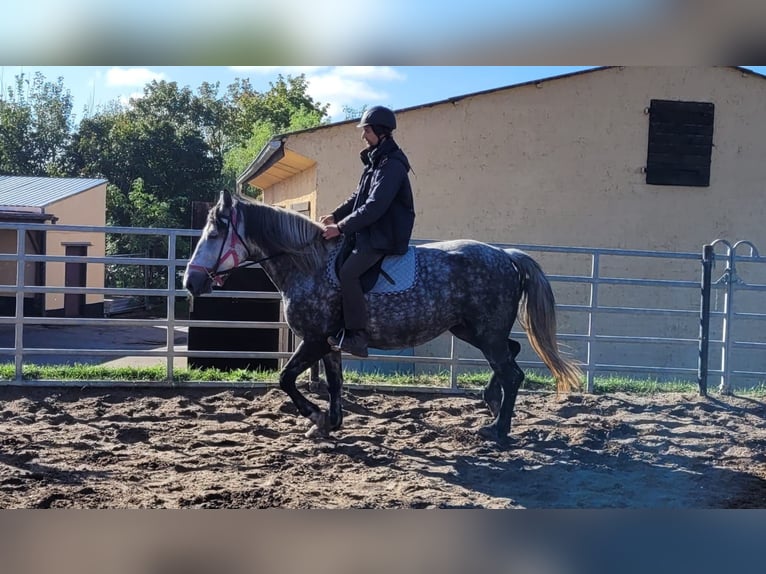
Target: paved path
81 339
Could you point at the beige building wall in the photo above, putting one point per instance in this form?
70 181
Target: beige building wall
86 208
297 192
561 162
8 244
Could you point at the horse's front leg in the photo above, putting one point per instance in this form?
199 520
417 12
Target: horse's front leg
304 356
333 369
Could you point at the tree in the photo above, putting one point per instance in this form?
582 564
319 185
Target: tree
182 146
35 126
216 118
16 151
350 113
237 159
257 117
160 153
160 140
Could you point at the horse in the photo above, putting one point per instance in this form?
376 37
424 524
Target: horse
472 289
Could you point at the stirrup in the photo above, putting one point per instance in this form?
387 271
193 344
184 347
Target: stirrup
339 337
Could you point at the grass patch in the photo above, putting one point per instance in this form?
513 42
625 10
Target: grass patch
645 387
473 381
158 373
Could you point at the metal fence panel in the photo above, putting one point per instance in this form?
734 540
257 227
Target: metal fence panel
625 313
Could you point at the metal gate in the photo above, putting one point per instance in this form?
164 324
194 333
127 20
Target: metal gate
731 309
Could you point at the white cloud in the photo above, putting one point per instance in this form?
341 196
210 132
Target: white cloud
330 86
125 100
131 77
351 86
338 86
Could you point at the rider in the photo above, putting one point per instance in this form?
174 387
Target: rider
377 219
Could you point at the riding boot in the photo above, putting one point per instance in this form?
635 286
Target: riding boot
353 342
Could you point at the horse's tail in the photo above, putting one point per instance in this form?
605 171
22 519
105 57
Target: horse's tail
537 315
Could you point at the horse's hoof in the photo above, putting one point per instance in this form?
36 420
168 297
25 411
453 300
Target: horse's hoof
316 432
320 428
490 432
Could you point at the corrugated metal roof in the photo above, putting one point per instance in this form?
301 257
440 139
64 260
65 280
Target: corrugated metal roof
22 191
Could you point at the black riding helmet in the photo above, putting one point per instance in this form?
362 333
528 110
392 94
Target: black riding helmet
378 116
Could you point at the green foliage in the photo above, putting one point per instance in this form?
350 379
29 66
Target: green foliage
160 153
259 117
160 141
15 145
239 158
350 113
35 127
286 107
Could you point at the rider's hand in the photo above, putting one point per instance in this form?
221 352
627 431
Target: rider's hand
327 220
331 231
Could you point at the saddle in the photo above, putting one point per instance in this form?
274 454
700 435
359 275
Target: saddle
392 274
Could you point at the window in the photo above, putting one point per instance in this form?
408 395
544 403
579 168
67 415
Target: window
680 143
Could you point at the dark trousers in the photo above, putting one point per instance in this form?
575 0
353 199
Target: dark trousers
354 305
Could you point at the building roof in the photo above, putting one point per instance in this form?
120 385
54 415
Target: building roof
39 192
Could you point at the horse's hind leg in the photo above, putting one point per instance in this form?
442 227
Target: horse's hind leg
493 393
303 357
509 376
503 387
334 373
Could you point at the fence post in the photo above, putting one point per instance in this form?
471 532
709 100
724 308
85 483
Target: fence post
704 338
18 353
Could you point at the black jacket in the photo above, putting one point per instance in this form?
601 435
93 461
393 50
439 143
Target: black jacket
381 211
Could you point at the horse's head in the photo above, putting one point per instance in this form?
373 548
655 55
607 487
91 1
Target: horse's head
220 249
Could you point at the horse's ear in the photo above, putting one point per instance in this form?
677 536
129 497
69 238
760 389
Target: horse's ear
225 199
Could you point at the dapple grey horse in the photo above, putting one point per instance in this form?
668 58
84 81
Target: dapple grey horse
471 289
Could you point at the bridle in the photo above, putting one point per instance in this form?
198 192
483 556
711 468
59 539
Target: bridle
232 236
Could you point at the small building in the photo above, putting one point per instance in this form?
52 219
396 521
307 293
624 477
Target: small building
54 201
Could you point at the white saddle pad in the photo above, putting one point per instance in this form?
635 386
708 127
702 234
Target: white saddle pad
402 269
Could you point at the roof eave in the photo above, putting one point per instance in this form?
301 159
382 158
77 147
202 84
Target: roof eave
29 216
272 152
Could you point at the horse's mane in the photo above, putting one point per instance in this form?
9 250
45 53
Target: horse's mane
278 230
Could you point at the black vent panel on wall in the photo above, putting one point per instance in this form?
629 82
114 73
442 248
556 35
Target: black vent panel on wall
680 143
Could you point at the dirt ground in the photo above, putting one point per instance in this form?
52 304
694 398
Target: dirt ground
245 448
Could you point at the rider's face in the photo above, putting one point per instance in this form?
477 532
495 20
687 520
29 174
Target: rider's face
369 136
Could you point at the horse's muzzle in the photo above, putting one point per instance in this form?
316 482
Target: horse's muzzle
197 282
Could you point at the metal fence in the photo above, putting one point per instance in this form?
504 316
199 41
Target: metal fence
640 314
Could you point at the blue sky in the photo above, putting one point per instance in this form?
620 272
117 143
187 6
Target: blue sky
352 86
